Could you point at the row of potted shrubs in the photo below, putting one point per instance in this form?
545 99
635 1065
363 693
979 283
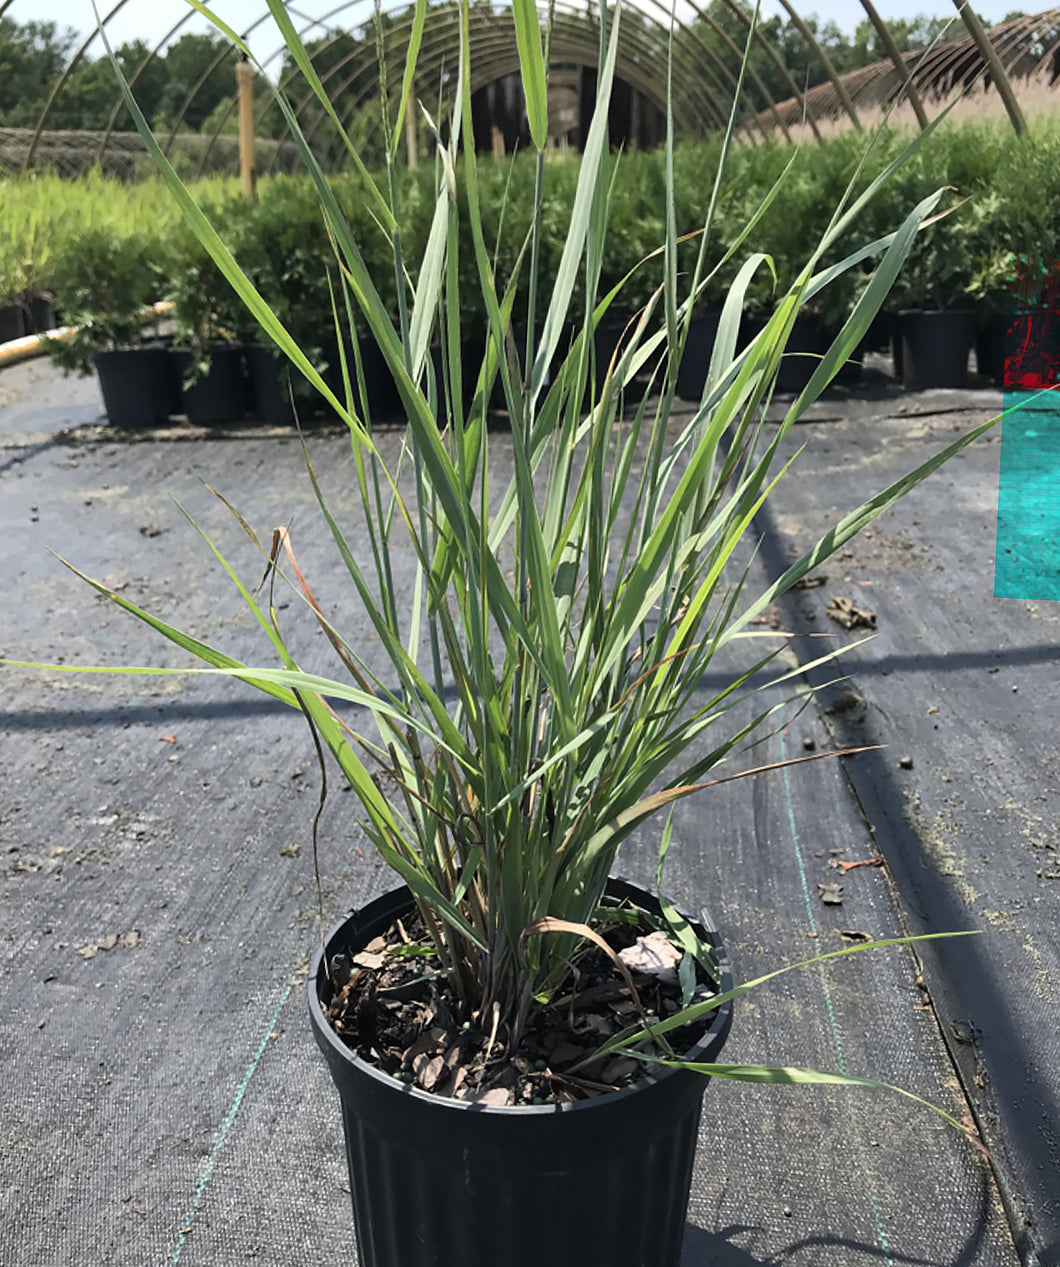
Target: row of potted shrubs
960 267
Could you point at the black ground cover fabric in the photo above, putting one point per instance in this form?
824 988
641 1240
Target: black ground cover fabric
163 1101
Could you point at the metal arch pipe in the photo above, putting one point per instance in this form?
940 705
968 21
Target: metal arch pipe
61 82
576 53
692 33
278 52
774 57
876 83
884 32
1004 84
161 44
718 119
647 88
442 37
132 82
224 53
216 63
734 48
826 63
222 56
686 61
1049 51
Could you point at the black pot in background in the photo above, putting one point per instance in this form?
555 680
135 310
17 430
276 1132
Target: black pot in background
270 392
442 1183
497 398
12 322
802 354
935 347
850 372
990 345
695 363
607 336
139 386
881 332
40 315
222 394
384 403
897 356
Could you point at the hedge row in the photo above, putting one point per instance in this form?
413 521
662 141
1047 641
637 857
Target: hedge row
97 243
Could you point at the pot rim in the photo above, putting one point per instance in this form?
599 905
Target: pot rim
715 1034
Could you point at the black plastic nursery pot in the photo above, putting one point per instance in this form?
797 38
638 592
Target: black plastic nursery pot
473 364
384 402
883 328
699 348
219 396
443 1183
935 347
852 368
12 322
139 386
990 345
269 389
40 314
806 344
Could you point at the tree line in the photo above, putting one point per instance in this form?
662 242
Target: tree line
33 54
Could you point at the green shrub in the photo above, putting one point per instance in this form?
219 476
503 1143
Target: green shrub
105 281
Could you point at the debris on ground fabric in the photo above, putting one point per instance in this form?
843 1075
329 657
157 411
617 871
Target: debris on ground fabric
831 894
129 941
844 612
905 763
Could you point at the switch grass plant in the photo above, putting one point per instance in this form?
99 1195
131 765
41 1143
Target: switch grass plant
528 722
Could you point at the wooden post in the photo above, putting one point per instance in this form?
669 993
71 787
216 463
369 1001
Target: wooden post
497 137
410 129
248 175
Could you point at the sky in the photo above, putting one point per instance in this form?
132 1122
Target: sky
152 20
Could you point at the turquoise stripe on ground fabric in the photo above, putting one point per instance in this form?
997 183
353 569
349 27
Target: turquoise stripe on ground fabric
881 1235
1027 557
226 1126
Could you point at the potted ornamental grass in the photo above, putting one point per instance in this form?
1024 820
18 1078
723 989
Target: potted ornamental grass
519 1040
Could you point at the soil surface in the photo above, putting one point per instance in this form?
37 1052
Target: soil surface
394 1006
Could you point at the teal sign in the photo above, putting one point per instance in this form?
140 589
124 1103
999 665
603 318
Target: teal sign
1027 558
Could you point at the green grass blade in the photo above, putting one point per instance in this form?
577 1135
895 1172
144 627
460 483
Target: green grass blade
532 67
415 40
